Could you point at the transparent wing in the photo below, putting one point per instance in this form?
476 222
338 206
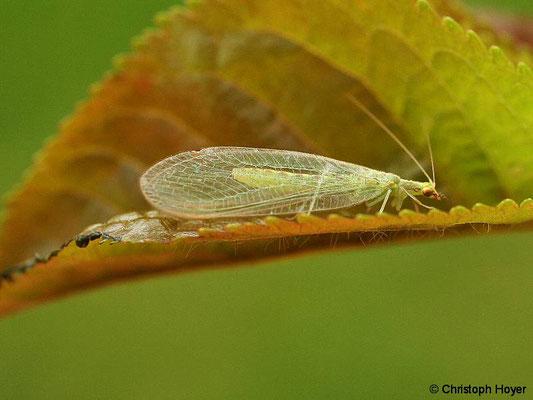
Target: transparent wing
201 184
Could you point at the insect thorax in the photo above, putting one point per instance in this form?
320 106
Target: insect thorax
414 187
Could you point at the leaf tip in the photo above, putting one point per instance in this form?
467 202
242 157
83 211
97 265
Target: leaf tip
524 70
436 213
309 218
452 25
335 217
426 11
168 17
273 221
527 203
208 232
94 90
119 62
480 208
232 227
474 40
498 57
423 5
142 41
407 213
507 204
459 211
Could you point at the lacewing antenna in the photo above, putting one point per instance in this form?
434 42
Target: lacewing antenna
434 181
372 116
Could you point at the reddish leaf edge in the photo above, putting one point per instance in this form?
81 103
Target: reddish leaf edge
94 259
507 212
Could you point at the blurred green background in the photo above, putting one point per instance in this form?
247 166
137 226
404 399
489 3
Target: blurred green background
380 323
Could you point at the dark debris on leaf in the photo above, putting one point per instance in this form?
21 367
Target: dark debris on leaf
81 241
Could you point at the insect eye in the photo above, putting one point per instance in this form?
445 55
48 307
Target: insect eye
427 192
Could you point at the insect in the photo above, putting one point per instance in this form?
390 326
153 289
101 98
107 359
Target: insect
218 182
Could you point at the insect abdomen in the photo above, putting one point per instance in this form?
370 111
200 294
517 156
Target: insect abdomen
263 178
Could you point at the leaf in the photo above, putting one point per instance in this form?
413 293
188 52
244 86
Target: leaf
138 244
276 74
499 29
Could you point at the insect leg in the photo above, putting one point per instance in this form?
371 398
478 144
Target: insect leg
385 201
417 201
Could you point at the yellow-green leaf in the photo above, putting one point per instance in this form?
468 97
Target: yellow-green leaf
275 74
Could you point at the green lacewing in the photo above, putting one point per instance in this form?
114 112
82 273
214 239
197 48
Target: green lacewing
218 182
225 182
